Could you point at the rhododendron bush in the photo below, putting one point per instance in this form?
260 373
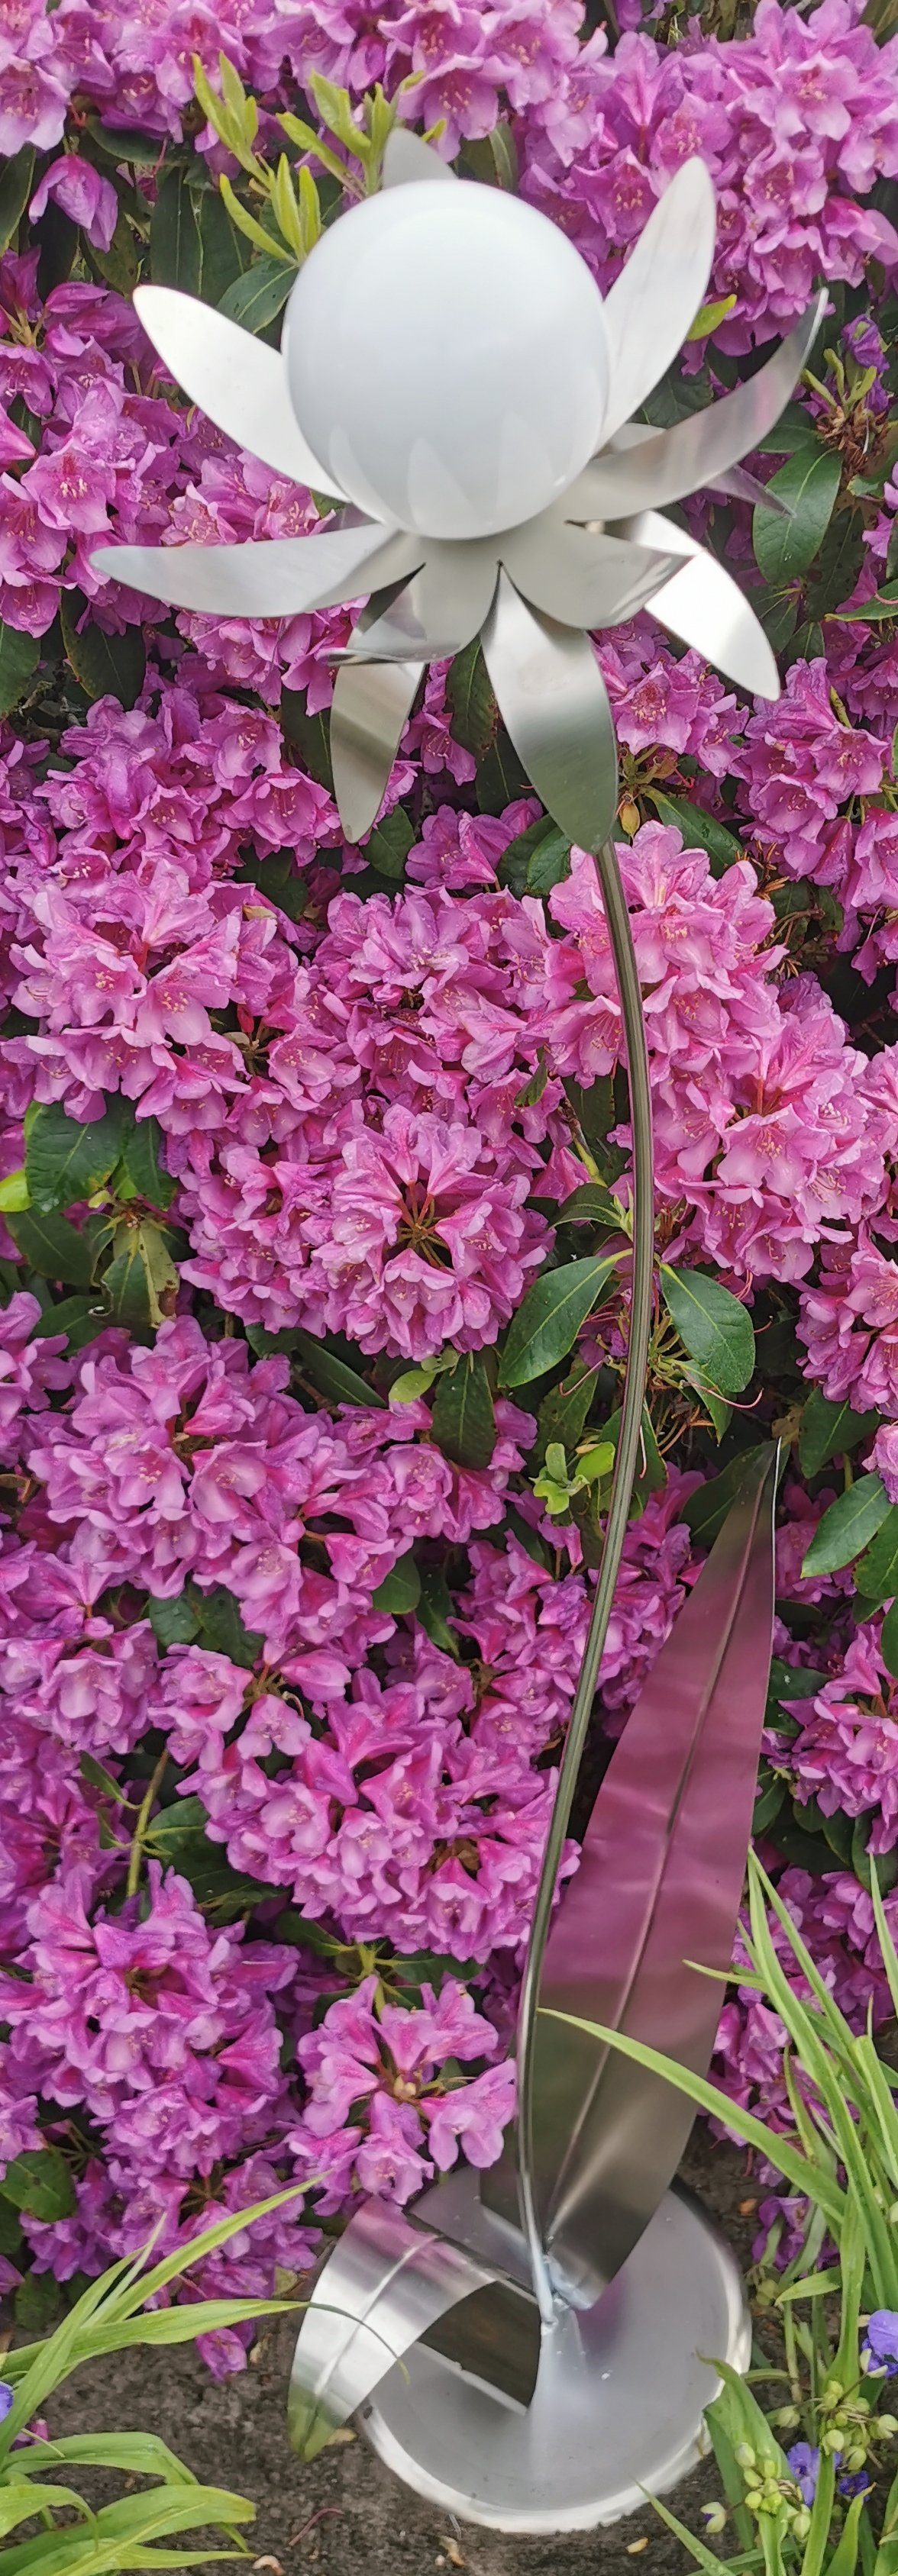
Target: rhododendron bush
314 1159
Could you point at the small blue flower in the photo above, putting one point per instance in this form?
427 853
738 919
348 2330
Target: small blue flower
7 2398
856 2485
805 2466
880 2350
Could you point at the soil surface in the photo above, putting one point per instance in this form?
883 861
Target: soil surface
345 2512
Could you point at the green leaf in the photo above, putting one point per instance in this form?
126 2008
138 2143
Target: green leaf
16 178
19 658
463 1419
700 831
279 878
119 266
500 777
309 736
888 1643
848 1526
435 1610
140 1162
224 255
471 702
768 1802
175 1622
107 666
65 1161
176 257
127 143
872 612
713 1327
809 485
79 1318
592 1204
35 2305
141 1283
877 1574
710 317
14 1192
564 1411
255 299
829 1430
388 846
400 1590
514 862
859 1857
719 1412
222 1626
550 1315
52 1246
39 2181
332 1375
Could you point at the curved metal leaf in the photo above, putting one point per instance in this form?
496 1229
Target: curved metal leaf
268 577
554 703
580 577
658 1887
407 157
705 607
371 706
699 449
442 608
388 2284
237 380
654 301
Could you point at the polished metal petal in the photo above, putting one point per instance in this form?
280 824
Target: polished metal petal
554 703
388 2284
698 450
705 607
268 577
654 301
371 706
237 380
578 576
658 1888
407 157
444 605
737 484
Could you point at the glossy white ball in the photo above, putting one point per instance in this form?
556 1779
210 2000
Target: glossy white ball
447 358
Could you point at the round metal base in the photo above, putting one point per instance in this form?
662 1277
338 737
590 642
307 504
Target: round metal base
619 2397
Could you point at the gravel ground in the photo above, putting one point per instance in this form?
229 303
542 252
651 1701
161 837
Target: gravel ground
346 2512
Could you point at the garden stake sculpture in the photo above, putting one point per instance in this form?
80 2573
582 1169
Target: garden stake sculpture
449 359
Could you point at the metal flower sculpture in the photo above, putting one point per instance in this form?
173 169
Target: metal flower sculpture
448 354
450 361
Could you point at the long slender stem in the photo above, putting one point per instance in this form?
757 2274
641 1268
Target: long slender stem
626 1465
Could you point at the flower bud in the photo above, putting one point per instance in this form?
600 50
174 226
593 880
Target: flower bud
714 2518
745 2455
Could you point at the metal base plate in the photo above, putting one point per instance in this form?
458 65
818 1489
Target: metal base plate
619 2397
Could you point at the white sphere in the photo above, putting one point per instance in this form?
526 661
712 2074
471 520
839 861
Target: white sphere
447 358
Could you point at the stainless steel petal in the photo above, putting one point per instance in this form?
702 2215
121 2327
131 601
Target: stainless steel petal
407 157
235 379
658 1886
554 702
387 2285
371 706
271 577
654 301
738 484
578 576
444 605
699 449
705 607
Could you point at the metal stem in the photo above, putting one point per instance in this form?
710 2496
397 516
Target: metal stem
626 1466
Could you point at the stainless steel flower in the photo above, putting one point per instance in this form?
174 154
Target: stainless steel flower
534 592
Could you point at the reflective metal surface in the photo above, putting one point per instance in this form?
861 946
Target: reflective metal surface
578 576
268 576
618 2404
654 301
704 445
387 2283
444 605
659 1886
371 706
519 2179
407 158
554 703
237 380
705 607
